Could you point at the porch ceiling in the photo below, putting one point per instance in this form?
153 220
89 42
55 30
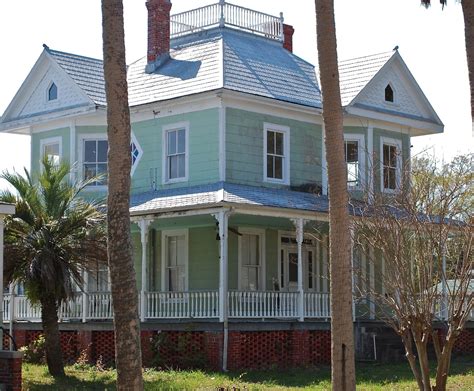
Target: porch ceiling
222 194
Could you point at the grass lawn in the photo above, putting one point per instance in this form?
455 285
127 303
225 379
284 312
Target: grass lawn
369 377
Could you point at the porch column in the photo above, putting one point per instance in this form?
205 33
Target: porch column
12 311
299 241
5 210
444 300
223 221
352 272
85 292
144 225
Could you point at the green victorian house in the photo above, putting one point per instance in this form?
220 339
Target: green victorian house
229 212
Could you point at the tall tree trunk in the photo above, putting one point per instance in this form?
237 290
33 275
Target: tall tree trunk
342 333
122 272
468 13
49 318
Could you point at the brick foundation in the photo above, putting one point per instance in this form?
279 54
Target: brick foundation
10 370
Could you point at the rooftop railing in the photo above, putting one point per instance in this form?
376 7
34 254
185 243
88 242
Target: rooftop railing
225 14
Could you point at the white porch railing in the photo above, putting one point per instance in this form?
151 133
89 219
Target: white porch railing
222 14
99 306
166 305
263 304
316 305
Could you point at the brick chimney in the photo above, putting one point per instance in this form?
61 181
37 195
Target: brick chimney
288 32
158 33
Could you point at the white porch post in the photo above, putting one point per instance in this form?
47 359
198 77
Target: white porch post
85 291
12 311
223 220
299 241
352 272
5 210
144 224
444 302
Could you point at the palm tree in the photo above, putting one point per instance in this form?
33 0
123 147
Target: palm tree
122 272
53 236
342 335
468 14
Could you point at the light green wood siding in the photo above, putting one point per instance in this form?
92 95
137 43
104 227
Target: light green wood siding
244 148
203 259
271 257
36 138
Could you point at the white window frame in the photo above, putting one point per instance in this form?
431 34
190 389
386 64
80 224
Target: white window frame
134 140
89 137
165 234
262 276
360 138
398 173
286 152
46 95
165 130
51 141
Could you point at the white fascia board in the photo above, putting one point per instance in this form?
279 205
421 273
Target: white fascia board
263 105
414 126
24 126
6 209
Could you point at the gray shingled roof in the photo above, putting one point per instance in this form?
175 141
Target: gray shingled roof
86 72
354 74
226 193
219 58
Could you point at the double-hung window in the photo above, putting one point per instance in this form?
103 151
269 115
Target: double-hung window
175 254
276 159
353 152
251 262
51 149
94 160
390 164
176 153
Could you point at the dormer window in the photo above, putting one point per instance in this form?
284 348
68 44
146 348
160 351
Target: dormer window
52 92
389 93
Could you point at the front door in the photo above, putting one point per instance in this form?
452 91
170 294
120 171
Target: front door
289 269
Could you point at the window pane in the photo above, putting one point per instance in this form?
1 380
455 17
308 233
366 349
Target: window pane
173 279
253 278
352 151
89 171
310 270
278 167
173 167
171 143
172 251
53 92
270 171
393 156
90 152
102 171
353 173
270 142
180 243
103 145
181 141
181 166
279 143
386 155
392 178
282 269
293 267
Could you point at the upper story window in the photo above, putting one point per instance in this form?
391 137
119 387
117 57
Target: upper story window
389 95
276 160
51 148
176 153
353 150
391 164
175 255
52 92
94 160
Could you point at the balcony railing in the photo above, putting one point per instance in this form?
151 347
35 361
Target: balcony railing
225 14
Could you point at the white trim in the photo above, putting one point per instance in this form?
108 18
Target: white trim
222 143
398 173
164 235
51 141
361 149
286 152
80 150
370 162
324 163
72 150
165 129
262 256
134 140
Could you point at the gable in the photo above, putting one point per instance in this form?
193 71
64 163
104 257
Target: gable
408 99
32 98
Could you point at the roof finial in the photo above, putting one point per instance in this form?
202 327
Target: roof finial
45 46
395 48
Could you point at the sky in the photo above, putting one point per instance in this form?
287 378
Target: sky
430 41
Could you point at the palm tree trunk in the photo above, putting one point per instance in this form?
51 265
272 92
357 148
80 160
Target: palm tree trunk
342 334
122 272
54 355
468 13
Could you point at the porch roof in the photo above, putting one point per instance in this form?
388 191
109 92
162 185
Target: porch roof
222 194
